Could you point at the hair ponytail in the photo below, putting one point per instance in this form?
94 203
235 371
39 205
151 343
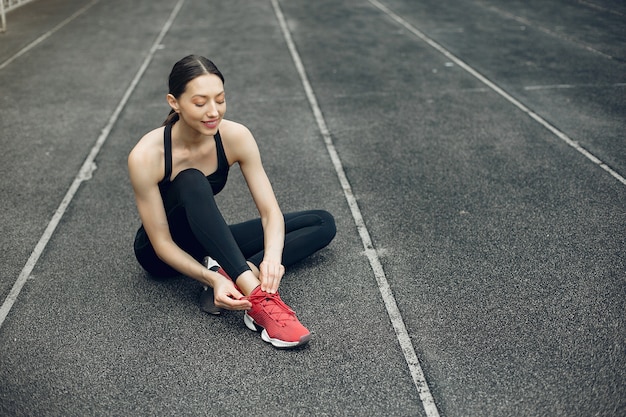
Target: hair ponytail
171 118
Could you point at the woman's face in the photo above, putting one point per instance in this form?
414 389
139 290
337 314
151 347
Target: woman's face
202 105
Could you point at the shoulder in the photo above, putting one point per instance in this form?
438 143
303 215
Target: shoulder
146 158
148 146
233 131
238 141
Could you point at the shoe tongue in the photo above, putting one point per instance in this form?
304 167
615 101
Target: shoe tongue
282 310
278 307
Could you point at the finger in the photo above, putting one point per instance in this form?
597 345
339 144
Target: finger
235 294
232 300
264 276
274 286
279 276
271 282
264 282
232 304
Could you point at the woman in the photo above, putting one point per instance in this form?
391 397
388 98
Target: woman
175 171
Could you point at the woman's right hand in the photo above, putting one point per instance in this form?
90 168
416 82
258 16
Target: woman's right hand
227 296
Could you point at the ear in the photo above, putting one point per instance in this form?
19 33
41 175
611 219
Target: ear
171 100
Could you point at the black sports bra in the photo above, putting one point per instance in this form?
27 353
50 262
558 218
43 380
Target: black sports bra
217 179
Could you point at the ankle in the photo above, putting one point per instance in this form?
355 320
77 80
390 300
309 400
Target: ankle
247 282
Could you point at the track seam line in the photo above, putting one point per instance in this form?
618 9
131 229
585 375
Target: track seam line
84 173
393 311
558 133
601 8
561 36
47 34
571 86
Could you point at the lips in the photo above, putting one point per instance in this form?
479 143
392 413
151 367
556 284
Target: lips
210 124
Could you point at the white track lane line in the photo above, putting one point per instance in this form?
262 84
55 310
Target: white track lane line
47 34
390 303
85 172
558 133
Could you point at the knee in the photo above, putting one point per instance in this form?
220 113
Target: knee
189 176
191 182
327 223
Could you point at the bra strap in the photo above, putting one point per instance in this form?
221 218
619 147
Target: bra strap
221 154
167 147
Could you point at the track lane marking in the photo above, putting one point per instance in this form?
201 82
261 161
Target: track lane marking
47 34
558 133
601 8
393 311
84 173
572 86
562 36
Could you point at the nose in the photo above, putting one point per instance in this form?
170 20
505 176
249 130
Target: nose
212 110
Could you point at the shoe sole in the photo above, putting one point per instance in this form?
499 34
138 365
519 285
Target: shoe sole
277 343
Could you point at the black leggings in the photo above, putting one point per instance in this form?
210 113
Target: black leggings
197 226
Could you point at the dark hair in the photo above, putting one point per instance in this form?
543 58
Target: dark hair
185 70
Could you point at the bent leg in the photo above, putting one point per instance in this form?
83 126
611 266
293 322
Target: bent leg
306 232
148 259
197 225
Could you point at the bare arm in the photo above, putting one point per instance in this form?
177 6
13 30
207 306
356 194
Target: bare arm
244 150
145 165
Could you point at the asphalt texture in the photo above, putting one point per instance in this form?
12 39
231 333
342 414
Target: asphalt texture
503 245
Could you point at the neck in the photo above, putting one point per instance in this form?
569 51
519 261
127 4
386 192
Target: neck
183 133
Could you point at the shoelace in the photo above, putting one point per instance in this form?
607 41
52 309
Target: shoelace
274 306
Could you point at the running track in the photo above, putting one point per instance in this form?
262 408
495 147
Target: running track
472 152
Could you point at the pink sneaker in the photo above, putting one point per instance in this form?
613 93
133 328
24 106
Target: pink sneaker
280 325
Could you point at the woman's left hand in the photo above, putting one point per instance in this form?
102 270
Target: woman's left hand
270 274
